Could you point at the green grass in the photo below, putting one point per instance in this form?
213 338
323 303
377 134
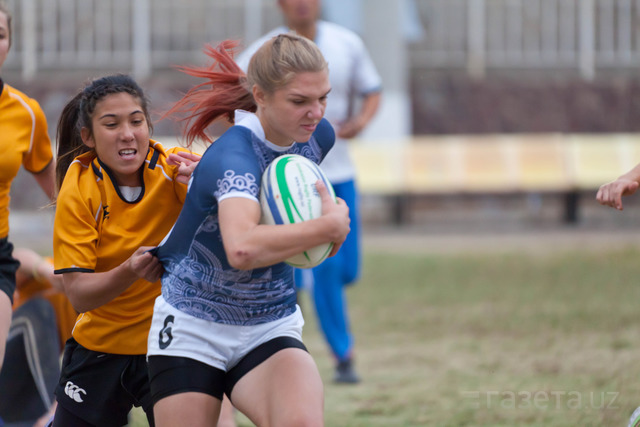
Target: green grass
490 340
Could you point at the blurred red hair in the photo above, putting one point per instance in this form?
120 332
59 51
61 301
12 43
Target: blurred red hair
224 92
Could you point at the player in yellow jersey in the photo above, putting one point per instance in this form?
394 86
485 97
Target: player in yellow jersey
23 141
119 195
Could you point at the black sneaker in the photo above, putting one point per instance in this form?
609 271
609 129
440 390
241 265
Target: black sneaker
345 374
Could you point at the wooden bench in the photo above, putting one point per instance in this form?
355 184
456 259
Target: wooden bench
493 164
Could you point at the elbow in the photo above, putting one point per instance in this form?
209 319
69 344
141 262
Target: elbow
241 261
240 258
77 304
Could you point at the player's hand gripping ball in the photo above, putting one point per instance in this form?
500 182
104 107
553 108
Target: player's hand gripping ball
288 195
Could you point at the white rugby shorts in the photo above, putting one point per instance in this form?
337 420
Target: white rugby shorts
222 346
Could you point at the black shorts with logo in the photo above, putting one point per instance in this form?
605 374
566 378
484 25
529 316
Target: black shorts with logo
101 388
8 267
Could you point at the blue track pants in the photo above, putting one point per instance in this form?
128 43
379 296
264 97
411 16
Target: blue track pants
326 282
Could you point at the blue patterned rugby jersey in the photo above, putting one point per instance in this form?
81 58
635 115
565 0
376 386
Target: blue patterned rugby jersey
198 279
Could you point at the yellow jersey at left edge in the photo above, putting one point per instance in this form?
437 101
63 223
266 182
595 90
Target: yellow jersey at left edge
23 141
95 230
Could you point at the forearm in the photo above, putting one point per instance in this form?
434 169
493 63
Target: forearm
632 175
357 123
46 179
38 269
42 271
249 244
369 108
266 245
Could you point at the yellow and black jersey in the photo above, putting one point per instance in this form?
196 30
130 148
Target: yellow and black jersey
96 230
23 141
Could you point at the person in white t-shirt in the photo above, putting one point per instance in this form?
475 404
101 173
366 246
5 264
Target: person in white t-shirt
353 101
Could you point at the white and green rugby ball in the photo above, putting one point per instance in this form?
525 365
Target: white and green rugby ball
288 195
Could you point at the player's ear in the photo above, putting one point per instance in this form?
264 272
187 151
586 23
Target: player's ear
259 96
87 137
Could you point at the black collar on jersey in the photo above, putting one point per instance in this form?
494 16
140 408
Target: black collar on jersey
112 178
1 85
154 159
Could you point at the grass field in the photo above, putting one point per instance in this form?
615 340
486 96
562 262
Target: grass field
490 340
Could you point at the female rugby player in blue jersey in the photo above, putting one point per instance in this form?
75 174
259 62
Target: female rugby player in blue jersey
356 91
227 319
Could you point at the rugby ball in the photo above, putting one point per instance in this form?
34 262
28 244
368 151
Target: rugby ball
288 195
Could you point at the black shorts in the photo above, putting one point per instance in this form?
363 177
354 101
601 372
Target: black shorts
101 388
8 267
171 375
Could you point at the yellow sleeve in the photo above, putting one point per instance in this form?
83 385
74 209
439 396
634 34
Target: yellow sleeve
40 154
76 230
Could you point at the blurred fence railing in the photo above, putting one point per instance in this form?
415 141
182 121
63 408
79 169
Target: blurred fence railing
477 35
139 35
587 35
